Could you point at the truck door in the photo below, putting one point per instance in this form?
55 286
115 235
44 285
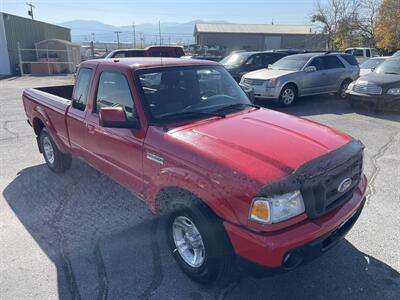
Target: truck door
77 112
115 151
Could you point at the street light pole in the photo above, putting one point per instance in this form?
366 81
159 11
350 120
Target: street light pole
117 33
134 35
30 11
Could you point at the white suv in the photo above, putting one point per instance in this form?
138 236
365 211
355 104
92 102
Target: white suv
362 54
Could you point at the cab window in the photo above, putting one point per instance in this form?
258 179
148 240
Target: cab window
79 98
113 90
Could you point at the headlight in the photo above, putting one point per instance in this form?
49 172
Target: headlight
270 83
268 210
393 91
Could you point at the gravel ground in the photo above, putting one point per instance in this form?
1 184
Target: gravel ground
79 235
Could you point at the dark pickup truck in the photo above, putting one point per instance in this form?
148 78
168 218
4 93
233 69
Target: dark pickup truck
234 180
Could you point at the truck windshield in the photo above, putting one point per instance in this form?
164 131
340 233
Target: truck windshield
185 93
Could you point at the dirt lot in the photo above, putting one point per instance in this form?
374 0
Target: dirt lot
79 235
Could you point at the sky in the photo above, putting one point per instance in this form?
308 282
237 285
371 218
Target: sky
124 12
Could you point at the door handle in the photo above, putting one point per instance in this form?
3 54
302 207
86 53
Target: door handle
90 128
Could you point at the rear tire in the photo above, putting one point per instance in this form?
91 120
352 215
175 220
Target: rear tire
192 229
56 160
288 95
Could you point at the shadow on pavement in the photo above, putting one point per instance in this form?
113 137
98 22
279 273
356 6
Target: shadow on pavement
107 245
326 104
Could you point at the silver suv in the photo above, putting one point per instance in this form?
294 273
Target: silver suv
302 75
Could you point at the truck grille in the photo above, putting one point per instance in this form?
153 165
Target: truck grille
367 88
321 194
250 81
325 182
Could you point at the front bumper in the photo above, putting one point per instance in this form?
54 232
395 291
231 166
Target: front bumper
287 248
266 93
379 101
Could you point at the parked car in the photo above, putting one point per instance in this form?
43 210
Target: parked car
204 57
240 63
371 64
302 75
362 53
151 51
381 88
184 138
397 53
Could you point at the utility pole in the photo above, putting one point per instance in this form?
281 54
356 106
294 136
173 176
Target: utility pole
93 37
159 31
31 7
134 35
117 33
141 40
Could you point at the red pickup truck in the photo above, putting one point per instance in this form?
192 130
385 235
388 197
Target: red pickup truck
237 182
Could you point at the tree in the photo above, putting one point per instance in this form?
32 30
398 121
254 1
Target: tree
336 19
387 29
366 20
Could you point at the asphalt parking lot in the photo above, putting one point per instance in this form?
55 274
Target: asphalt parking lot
79 235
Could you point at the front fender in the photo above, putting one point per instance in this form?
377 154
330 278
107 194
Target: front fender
195 183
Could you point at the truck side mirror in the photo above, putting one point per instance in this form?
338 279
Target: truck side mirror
115 117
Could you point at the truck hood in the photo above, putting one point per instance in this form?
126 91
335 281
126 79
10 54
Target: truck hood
267 74
261 144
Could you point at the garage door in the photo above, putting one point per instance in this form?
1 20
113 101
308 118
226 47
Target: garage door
272 42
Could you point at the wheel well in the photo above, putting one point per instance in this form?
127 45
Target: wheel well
294 85
170 198
347 80
38 125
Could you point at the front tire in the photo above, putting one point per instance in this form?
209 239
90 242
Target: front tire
56 160
199 243
343 88
288 95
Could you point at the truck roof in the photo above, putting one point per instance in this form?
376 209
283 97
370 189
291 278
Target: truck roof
147 62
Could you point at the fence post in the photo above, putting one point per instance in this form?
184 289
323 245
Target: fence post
92 49
21 67
48 64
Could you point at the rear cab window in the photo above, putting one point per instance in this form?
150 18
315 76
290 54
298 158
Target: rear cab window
114 90
80 95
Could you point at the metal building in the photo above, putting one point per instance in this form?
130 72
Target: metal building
26 32
258 37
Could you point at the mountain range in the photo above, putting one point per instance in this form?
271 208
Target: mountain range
147 33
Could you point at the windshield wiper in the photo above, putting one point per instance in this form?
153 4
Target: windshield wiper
391 73
237 105
190 113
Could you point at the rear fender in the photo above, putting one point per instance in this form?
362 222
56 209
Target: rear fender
41 114
194 183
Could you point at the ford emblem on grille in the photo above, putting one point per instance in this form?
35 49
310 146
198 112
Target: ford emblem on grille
344 185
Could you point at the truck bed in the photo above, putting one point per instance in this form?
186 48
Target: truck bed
50 105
